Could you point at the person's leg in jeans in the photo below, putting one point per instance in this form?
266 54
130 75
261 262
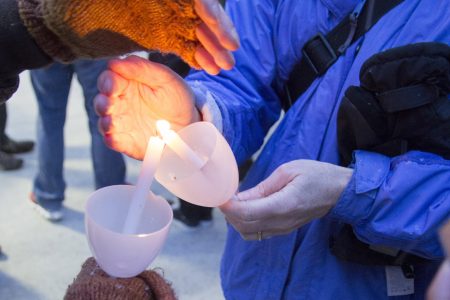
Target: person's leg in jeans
109 165
51 86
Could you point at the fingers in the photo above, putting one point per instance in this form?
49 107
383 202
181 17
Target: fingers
274 183
217 36
218 22
121 139
206 61
267 207
103 104
104 124
124 143
263 235
111 119
260 207
111 84
251 216
109 109
260 229
222 57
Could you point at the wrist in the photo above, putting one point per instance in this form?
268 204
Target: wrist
356 200
196 115
341 180
207 105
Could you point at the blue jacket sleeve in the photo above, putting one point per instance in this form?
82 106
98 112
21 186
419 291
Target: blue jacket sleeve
398 202
247 103
270 45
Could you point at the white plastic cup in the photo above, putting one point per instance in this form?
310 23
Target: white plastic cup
125 255
213 184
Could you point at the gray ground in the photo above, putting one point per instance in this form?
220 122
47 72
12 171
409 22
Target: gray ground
41 258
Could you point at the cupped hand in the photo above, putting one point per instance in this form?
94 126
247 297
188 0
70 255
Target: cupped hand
217 35
293 195
134 94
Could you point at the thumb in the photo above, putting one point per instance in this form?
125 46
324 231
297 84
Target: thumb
143 71
272 184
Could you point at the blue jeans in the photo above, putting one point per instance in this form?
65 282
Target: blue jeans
51 86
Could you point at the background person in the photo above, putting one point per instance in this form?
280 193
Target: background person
51 86
297 198
9 147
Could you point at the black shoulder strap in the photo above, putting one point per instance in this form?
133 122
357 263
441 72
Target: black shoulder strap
320 52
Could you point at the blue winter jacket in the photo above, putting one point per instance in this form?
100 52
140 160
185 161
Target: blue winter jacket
397 202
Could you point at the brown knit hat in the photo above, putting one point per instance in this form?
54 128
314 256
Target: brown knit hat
70 29
93 283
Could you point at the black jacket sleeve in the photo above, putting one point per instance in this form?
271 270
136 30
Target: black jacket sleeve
18 51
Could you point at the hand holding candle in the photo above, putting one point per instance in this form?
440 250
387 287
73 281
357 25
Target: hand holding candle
134 94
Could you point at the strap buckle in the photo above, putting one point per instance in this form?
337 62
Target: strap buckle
319 54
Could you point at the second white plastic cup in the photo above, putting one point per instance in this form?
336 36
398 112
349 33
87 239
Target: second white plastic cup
125 255
212 185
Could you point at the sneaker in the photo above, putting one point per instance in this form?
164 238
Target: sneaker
190 223
8 162
13 147
50 214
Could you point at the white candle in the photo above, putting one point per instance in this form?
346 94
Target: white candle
151 160
176 143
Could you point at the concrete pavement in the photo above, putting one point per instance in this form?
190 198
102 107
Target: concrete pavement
41 258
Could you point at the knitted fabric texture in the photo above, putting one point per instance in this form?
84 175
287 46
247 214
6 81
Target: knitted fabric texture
69 29
93 283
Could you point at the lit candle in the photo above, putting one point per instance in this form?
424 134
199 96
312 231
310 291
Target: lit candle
176 143
151 160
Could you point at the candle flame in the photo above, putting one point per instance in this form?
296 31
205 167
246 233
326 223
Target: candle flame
178 145
163 126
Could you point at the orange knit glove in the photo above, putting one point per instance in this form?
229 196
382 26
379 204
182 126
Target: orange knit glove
69 29
93 283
